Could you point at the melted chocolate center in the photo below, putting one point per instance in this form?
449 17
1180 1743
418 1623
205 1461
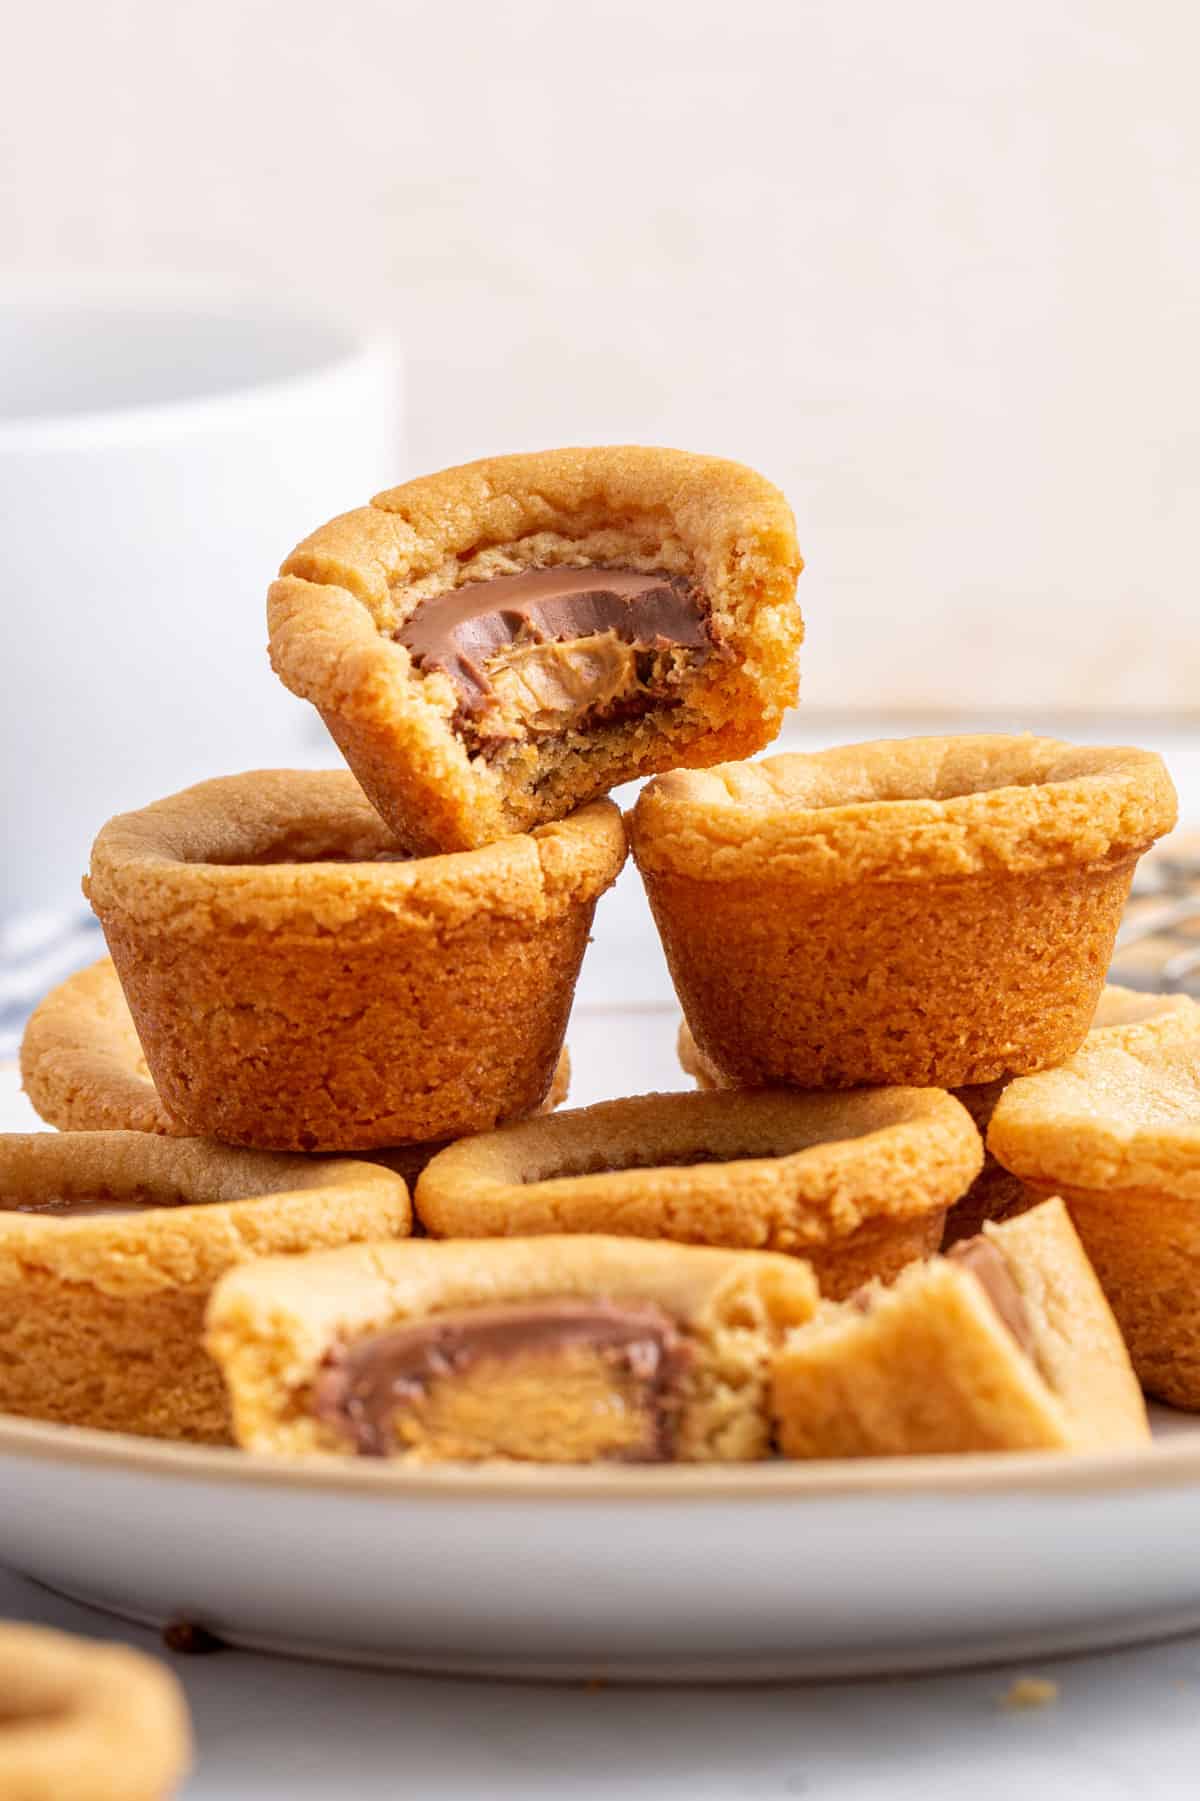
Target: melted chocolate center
363 1385
81 1209
461 631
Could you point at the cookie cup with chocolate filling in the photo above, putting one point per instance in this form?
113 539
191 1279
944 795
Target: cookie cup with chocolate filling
497 644
299 984
559 1350
1004 1344
81 1721
930 910
110 1243
995 1193
84 1070
858 1184
1115 1130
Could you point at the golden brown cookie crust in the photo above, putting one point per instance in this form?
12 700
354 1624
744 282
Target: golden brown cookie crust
83 1068
298 984
820 939
345 590
271 1327
101 1315
858 1184
906 809
92 1722
929 1366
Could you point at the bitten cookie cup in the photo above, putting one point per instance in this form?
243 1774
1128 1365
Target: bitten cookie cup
928 911
1006 1344
563 1350
110 1243
858 1184
1116 1131
299 984
497 644
83 1068
81 1721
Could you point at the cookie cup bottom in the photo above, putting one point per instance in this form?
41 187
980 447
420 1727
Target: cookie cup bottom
83 1069
946 983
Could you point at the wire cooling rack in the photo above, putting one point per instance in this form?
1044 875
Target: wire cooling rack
1158 945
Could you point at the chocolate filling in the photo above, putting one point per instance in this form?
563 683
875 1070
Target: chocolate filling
81 1209
987 1265
363 1385
547 648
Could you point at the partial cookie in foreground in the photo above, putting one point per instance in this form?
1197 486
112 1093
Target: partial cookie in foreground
84 1070
555 1350
298 983
858 1184
1005 1344
81 1721
929 911
1116 1131
110 1243
494 645
995 1193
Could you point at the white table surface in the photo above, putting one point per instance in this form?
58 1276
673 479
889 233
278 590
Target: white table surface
1124 1724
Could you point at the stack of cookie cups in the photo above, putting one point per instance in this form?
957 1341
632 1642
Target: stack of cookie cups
326 986
309 992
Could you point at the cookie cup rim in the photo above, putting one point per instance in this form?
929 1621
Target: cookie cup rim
155 865
1081 807
919 1158
116 1253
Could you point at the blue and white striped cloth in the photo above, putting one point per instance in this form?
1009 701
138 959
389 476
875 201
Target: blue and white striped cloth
37 951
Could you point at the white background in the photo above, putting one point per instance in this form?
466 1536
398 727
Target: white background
933 267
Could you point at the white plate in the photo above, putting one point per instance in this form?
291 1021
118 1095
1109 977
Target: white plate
719 1574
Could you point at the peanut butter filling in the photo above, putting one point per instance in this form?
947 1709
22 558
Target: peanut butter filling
547 651
561 1381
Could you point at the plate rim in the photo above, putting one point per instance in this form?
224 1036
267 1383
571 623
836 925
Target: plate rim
1170 1465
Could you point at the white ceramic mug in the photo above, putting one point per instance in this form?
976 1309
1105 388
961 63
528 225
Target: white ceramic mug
161 450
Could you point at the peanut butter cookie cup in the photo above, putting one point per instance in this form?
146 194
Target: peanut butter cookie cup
563 1350
1004 1344
299 984
81 1721
1116 1132
494 645
83 1068
110 1243
994 1194
930 910
858 1184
